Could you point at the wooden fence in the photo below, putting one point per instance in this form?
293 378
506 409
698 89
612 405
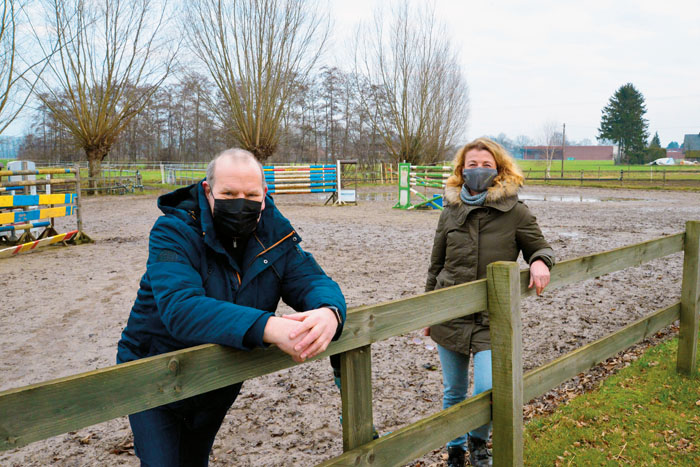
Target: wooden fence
653 175
47 409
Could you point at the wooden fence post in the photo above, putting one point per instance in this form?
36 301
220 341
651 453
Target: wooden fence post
503 283
78 203
690 294
356 395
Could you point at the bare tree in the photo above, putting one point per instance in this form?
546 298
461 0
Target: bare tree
551 140
257 52
417 75
18 73
112 58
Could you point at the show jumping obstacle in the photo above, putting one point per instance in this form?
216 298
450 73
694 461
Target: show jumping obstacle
284 179
427 176
299 179
34 214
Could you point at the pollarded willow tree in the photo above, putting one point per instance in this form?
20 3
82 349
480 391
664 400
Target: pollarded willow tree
112 57
257 52
418 80
18 72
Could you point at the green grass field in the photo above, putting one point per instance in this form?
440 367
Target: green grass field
605 174
604 166
646 414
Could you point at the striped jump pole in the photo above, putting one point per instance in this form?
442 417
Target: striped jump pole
32 225
25 247
426 176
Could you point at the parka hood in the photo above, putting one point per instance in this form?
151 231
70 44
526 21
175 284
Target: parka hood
191 206
502 196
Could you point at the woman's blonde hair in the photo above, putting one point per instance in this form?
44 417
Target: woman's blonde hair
508 171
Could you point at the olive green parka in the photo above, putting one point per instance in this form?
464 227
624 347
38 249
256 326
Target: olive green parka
467 239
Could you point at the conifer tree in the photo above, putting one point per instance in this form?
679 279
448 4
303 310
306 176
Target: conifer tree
623 122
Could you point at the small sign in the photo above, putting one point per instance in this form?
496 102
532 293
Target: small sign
347 196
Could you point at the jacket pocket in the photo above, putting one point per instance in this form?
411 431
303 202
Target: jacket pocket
441 282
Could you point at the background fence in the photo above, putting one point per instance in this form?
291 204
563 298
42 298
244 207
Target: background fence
663 177
577 173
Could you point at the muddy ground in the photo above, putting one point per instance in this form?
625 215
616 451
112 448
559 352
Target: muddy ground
63 309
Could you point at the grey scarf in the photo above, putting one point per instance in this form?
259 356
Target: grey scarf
476 200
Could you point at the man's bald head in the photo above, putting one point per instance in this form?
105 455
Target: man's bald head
232 158
235 173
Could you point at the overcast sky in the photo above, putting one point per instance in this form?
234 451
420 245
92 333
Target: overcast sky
527 62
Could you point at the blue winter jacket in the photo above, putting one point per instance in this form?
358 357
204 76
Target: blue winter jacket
193 292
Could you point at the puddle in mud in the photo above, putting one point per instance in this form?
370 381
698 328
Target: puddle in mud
377 196
571 198
389 196
569 234
560 198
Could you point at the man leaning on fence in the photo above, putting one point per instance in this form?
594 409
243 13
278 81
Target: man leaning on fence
219 260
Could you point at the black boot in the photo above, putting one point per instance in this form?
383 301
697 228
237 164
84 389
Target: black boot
455 456
479 455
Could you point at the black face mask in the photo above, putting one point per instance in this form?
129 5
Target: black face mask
236 218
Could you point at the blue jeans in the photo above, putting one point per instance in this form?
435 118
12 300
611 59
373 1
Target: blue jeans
455 380
181 433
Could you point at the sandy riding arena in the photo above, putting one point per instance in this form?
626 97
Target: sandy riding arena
63 309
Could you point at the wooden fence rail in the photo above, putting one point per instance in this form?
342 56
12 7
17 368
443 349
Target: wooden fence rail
74 402
653 175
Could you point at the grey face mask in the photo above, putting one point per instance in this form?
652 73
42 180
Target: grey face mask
479 179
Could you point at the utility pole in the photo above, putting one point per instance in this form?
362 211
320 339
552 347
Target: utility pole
563 143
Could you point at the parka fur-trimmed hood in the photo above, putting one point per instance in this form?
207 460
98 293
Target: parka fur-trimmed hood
499 192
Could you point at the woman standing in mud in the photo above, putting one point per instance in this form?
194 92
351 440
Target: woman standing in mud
482 223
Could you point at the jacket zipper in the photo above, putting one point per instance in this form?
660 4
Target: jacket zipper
269 248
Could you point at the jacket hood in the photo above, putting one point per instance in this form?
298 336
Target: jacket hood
501 196
191 206
182 200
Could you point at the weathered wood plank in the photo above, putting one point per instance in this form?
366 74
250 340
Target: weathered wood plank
8 173
400 316
412 441
588 267
690 294
356 395
53 181
71 403
546 377
503 279
66 404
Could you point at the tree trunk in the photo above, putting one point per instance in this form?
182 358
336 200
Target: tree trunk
95 155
